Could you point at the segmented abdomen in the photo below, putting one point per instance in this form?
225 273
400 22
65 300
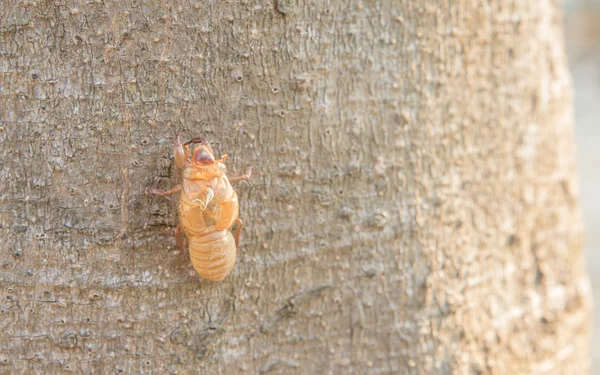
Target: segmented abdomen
213 254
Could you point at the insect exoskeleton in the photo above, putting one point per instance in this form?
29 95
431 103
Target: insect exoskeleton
208 209
213 254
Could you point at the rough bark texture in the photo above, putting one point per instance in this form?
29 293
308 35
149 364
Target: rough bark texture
413 211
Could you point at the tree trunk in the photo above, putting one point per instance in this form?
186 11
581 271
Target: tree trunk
413 210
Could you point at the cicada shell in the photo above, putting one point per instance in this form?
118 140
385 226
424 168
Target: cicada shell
208 209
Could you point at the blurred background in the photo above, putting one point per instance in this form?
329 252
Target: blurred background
582 30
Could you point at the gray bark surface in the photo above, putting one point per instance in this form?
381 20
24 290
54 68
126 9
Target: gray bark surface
414 206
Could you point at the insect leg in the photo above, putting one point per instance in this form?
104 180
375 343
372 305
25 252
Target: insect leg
238 231
196 140
181 153
244 177
164 193
229 213
180 238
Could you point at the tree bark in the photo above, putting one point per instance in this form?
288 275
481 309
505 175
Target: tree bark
413 210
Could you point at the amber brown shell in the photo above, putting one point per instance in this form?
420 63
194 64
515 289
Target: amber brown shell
213 254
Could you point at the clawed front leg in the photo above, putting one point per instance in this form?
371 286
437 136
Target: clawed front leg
238 231
244 177
164 193
180 238
201 140
181 153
